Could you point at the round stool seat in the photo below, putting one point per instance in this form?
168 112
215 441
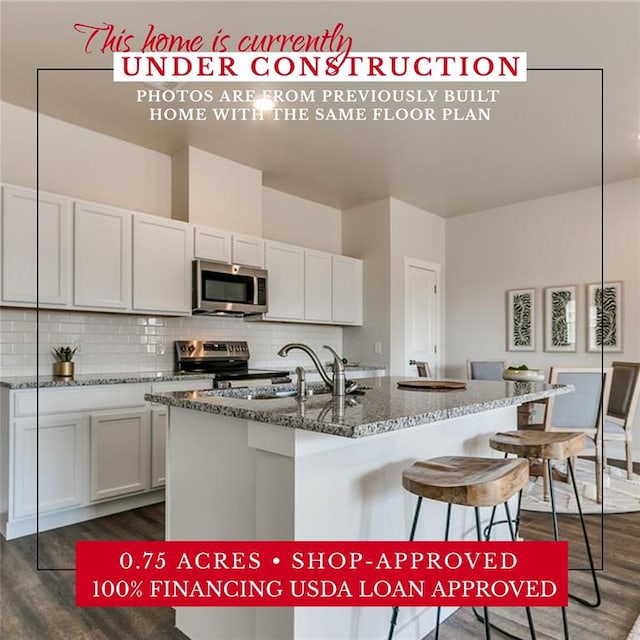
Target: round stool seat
548 445
469 481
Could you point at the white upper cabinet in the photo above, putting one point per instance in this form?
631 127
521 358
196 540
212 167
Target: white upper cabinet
162 255
285 265
102 257
247 250
23 228
347 290
212 244
317 286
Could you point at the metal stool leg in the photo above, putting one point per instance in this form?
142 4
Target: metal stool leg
554 517
446 539
512 532
586 544
487 626
414 526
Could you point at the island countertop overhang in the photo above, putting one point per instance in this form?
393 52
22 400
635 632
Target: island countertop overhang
383 408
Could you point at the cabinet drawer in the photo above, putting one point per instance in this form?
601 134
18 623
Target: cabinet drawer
57 400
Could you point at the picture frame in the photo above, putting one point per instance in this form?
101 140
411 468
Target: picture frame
604 316
521 320
560 318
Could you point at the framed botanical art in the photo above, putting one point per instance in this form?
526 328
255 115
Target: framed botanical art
521 316
604 313
560 322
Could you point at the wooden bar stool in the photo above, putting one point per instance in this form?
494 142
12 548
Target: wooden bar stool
470 482
548 446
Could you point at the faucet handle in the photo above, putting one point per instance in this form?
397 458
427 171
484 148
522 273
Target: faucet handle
338 364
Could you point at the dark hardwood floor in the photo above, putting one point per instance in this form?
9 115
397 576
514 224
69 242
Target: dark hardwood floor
39 605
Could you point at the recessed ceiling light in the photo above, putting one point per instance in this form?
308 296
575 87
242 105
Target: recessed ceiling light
264 104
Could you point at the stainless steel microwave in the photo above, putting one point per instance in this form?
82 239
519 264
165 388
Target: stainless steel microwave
228 289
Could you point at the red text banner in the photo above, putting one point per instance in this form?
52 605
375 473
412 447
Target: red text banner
283 574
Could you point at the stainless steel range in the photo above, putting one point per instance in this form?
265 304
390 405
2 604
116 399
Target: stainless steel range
227 361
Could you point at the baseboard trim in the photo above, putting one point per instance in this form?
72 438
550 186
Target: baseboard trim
27 526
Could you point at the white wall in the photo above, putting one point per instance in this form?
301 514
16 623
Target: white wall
414 233
222 193
82 163
383 233
365 235
295 220
536 244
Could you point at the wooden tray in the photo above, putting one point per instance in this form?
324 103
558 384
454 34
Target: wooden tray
432 385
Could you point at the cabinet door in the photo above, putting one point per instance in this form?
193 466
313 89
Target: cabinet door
25 225
247 250
57 469
119 452
285 265
102 257
347 290
317 286
212 244
159 416
162 254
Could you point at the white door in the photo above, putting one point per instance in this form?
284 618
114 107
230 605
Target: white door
421 305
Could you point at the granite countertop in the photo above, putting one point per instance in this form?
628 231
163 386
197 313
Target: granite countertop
135 377
87 379
382 408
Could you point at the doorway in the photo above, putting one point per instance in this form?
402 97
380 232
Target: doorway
422 293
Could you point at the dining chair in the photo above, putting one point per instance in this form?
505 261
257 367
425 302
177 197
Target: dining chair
581 410
621 409
485 369
424 370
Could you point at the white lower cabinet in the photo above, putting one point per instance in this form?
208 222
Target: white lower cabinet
47 452
119 452
159 421
93 450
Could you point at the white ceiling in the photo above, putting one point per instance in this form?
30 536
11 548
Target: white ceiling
543 137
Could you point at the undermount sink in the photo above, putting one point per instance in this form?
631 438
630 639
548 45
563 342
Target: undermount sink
265 393
269 395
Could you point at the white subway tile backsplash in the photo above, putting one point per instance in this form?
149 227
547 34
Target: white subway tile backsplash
122 343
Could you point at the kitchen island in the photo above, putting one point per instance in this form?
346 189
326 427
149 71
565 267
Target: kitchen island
320 469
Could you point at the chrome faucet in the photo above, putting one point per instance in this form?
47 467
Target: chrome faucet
337 382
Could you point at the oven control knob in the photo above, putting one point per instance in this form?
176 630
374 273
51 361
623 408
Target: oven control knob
191 348
183 348
244 347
